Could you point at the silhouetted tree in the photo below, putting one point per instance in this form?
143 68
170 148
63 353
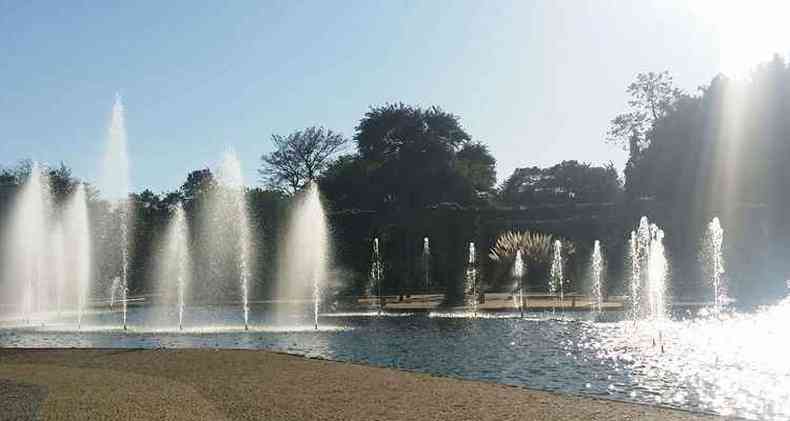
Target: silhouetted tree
568 181
299 158
724 152
347 184
652 96
411 156
197 183
476 164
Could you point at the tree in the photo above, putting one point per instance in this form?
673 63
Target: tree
475 163
61 182
568 181
198 182
652 96
299 158
346 183
723 152
411 155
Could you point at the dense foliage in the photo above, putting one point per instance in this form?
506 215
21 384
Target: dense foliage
416 172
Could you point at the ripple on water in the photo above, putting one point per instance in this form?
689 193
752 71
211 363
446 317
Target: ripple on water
734 365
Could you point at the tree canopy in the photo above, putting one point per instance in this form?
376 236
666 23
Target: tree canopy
299 157
568 181
408 158
652 96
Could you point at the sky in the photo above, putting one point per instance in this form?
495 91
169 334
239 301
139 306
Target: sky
536 81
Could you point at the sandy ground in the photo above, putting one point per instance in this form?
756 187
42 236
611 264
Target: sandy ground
239 384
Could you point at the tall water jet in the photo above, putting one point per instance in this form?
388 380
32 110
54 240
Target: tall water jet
518 280
232 183
649 271
556 277
114 184
713 248
26 248
636 275
123 206
305 261
470 279
59 264
114 286
114 181
657 269
376 275
175 271
78 229
426 263
597 277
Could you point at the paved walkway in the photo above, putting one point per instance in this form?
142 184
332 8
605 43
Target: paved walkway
238 384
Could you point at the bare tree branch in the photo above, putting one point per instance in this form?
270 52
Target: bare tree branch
299 158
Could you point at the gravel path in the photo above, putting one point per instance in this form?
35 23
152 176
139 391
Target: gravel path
20 401
240 384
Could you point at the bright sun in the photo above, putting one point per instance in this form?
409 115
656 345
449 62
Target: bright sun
749 32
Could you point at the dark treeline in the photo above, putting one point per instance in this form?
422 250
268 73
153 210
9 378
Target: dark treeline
410 172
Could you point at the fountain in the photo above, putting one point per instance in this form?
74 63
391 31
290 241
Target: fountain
636 275
715 262
26 247
124 216
376 275
657 269
47 252
556 277
597 277
648 271
114 183
232 182
78 233
303 267
176 264
426 263
470 280
518 278
59 264
116 283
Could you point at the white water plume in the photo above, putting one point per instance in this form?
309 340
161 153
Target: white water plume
114 179
519 269
597 267
232 206
174 274
649 269
470 279
715 262
115 186
556 276
304 263
79 250
426 263
57 239
376 275
27 286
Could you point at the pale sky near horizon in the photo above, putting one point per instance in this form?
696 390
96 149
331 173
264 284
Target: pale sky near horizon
536 81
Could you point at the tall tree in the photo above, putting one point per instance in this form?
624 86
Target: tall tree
568 181
197 183
299 157
347 183
411 152
652 96
475 163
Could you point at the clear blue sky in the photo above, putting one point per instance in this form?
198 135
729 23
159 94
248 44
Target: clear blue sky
537 81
